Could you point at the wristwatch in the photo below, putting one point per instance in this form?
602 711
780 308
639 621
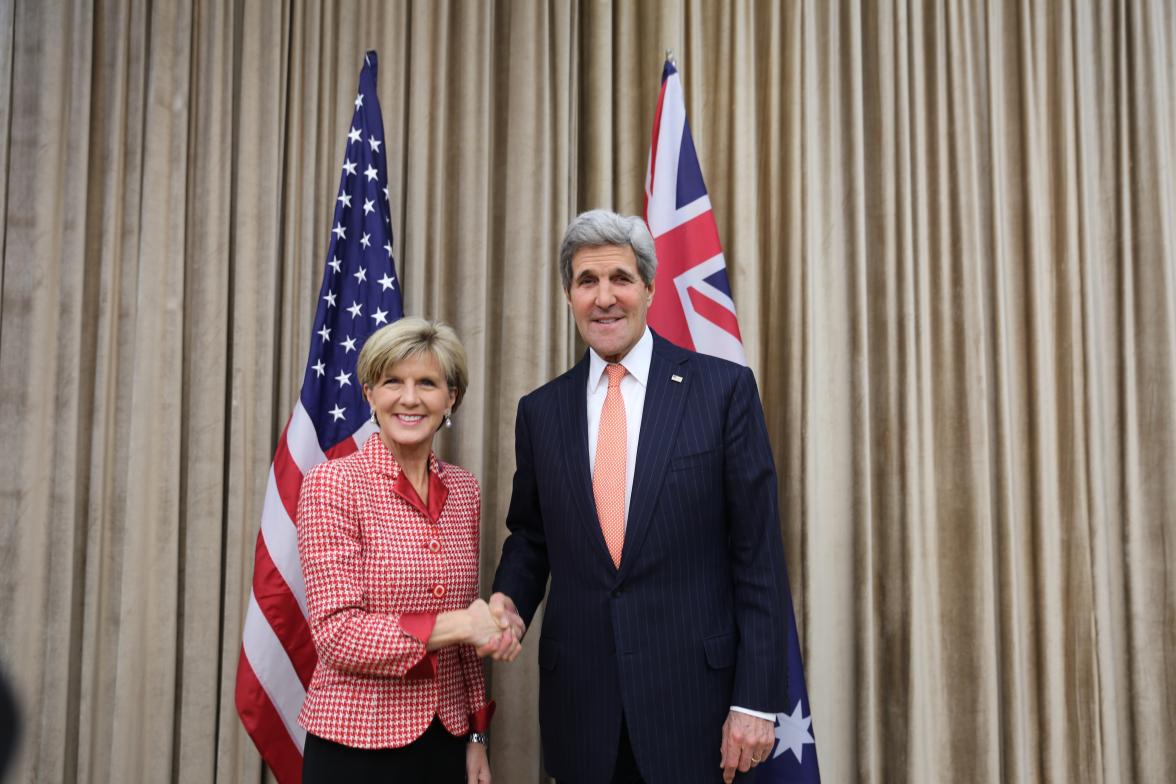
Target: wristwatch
477 737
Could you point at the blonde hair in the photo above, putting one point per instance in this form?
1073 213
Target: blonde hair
412 336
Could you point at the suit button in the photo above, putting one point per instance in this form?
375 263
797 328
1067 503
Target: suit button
434 546
617 592
439 591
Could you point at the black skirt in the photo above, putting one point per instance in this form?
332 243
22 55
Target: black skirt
436 757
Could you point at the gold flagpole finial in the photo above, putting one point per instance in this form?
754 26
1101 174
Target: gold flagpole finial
670 57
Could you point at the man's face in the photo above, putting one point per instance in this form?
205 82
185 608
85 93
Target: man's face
609 300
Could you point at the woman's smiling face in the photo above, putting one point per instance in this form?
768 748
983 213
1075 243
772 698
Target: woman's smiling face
410 400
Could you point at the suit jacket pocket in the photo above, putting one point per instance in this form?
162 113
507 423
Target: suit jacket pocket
720 650
548 653
705 459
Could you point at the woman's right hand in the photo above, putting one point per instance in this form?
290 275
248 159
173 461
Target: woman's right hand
482 623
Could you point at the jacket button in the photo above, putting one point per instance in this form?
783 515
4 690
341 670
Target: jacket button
617 592
438 591
434 546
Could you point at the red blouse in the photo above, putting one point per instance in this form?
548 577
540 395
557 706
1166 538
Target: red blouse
378 567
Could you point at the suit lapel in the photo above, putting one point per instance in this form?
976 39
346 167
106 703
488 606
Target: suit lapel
574 430
665 400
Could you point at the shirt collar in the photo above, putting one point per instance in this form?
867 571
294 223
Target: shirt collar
636 362
379 458
381 461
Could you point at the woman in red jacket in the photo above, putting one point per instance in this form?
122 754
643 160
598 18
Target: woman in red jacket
388 539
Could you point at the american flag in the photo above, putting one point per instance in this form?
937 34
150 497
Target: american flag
694 309
359 294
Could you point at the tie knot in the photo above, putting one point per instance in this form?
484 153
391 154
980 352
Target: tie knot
615 374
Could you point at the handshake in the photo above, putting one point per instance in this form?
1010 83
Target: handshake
496 628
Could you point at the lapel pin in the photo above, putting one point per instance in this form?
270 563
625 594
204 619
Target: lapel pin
676 379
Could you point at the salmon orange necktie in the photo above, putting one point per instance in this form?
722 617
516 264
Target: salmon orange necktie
609 473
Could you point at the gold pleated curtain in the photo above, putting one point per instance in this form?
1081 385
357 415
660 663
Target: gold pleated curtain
951 233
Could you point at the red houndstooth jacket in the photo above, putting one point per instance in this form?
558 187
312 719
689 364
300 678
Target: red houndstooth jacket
379 566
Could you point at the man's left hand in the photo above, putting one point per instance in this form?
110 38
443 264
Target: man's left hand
747 741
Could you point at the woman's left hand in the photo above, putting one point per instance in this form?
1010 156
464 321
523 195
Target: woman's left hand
477 764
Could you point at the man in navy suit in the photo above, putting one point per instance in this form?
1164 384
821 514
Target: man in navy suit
661 652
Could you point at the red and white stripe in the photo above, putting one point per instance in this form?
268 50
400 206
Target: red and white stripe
277 652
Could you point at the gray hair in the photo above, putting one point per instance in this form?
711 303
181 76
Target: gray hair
595 228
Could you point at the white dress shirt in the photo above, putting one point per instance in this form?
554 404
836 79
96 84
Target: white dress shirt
633 386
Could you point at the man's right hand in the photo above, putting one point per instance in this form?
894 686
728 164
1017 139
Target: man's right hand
506 645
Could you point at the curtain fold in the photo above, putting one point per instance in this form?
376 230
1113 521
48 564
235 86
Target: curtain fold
951 236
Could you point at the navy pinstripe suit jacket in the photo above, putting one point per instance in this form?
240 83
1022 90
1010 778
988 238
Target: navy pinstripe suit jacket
693 621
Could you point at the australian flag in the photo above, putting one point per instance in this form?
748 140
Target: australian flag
694 309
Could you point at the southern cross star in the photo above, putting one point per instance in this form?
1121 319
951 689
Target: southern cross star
792 732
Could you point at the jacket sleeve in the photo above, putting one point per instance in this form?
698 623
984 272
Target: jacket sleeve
756 552
523 569
347 636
